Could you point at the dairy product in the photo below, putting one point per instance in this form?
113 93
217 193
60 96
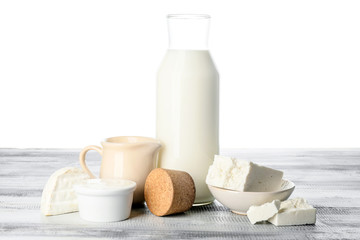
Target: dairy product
263 212
240 175
104 184
294 212
58 196
188 115
105 200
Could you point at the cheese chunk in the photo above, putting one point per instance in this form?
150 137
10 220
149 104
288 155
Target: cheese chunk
58 196
240 175
294 212
263 212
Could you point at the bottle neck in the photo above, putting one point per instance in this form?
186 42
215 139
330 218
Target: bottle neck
188 31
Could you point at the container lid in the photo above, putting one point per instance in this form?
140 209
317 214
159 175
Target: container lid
105 186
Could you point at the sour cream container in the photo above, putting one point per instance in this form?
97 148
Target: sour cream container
105 200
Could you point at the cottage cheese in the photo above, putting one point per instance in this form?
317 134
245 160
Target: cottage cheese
240 175
294 212
263 212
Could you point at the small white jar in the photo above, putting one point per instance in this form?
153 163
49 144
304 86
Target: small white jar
105 200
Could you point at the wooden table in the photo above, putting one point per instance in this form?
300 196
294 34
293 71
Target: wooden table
328 179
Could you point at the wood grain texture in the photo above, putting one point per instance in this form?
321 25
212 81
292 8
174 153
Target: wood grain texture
328 179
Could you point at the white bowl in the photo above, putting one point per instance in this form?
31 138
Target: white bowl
240 202
105 200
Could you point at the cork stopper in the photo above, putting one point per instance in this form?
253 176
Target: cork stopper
169 191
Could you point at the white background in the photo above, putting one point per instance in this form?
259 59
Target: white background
74 72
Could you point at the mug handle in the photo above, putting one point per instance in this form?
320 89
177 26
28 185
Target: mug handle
83 155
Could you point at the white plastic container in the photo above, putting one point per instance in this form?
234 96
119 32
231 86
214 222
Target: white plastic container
105 200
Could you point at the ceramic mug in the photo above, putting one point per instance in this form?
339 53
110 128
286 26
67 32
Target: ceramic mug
130 158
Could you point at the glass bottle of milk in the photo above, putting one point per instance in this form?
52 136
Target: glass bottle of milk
188 102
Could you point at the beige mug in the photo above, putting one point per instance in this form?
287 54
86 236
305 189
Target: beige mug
130 158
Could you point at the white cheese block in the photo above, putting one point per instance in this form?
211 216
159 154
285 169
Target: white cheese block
58 196
263 212
294 212
240 175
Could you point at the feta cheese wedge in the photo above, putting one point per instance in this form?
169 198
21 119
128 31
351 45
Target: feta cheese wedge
58 196
263 212
240 175
294 212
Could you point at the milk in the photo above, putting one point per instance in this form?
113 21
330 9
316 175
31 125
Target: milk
188 115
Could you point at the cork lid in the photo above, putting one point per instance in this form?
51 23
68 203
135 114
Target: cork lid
169 191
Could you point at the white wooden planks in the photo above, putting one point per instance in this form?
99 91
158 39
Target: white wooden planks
328 179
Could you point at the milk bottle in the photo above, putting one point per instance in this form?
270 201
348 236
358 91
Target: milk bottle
188 102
